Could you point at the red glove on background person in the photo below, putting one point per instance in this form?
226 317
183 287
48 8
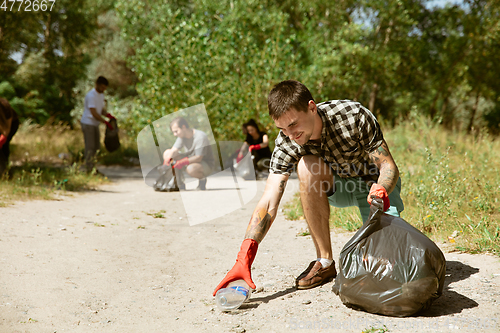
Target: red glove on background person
108 125
110 116
241 269
254 147
3 140
181 163
380 192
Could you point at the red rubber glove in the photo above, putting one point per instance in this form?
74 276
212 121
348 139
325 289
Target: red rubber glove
241 269
254 147
110 116
181 163
3 140
239 157
380 192
108 125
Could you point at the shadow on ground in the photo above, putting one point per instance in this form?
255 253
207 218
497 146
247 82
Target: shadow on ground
450 301
254 302
115 173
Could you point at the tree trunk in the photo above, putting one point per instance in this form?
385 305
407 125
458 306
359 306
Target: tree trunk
388 32
473 113
257 93
446 115
432 109
444 106
46 42
360 90
373 97
445 81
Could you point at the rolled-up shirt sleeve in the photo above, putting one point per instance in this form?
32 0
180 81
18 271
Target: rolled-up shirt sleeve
284 157
178 144
369 133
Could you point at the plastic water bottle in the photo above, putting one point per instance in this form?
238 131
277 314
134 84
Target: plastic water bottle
231 297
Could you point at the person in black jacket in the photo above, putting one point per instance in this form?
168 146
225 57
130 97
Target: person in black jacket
257 143
9 123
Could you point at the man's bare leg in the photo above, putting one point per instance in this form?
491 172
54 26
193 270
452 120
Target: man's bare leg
195 170
316 179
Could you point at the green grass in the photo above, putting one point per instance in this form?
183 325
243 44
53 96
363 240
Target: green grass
346 218
157 215
126 156
293 209
35 143
40 181
450 186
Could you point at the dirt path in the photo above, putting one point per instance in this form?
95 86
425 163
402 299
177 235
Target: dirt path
97 262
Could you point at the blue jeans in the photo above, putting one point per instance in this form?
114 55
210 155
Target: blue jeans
354 192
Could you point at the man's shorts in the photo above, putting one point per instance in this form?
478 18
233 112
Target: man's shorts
354 192
207 169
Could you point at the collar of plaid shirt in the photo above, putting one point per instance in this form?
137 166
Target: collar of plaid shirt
349 131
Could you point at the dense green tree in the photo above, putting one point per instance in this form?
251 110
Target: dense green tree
391 55
226 55
50 43
482 66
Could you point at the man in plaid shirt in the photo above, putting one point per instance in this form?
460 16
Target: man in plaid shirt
342 160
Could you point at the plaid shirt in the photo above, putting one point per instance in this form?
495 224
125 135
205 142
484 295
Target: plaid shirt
350 132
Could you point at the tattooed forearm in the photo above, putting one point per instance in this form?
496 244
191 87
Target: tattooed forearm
383 150
380 154
389 173
281 188
259 225
388 178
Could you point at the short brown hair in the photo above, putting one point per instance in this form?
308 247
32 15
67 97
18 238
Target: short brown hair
180 122
286 95
102 80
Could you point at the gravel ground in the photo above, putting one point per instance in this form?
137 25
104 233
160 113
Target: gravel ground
100 261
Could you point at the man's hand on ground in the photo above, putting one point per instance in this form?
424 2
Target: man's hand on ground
378 191
241 269
181 163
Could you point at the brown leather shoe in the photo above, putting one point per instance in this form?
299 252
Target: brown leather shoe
315 275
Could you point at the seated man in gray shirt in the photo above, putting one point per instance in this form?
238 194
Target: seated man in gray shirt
199 160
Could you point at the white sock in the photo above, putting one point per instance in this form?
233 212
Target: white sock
325 262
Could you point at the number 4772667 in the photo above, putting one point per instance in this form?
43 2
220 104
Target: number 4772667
29 5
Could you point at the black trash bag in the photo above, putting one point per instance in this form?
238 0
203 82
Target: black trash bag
166 181
111 139
389 267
